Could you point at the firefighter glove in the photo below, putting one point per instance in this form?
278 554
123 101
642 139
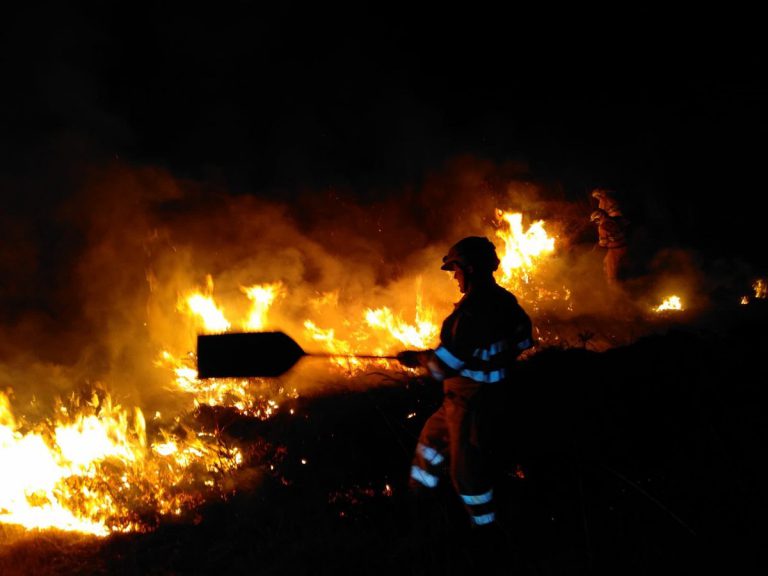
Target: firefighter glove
410 358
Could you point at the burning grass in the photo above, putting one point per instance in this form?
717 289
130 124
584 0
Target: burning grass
304 474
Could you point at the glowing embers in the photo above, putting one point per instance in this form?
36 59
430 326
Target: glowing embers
254 397
92 469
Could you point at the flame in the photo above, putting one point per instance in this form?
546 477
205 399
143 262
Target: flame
36 494
760 286
418 335
390 333
421 334
671 303
92 471
327 337
262 296
254 397
522 250
203 306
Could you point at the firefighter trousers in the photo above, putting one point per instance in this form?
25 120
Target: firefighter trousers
450 442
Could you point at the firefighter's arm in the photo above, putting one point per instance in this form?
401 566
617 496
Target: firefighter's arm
438 362
449 358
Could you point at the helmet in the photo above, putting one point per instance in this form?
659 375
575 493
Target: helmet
602 193
475 251
597 215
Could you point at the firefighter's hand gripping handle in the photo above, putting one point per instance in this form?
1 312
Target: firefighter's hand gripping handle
412 358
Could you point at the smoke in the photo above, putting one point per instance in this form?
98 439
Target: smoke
132 242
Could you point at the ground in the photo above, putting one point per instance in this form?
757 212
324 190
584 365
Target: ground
641 459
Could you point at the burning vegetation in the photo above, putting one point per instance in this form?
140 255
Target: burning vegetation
127 450
97 466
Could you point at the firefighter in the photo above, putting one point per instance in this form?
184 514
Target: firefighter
606 200
611 234
479 341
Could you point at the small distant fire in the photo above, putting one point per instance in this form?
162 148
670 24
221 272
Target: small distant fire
760 286
671 303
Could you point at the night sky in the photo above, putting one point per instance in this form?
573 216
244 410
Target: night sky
669 109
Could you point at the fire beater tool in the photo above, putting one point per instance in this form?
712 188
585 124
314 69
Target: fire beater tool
253 354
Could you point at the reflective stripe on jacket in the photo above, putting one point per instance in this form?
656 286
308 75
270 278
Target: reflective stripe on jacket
487 330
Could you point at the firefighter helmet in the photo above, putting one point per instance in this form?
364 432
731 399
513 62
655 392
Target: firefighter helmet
475 251
603 193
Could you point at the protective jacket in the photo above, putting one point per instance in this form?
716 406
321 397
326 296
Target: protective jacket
479 341
612 232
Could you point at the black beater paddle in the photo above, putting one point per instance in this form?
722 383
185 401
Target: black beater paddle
253 354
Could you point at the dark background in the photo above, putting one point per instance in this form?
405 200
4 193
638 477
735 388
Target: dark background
668 108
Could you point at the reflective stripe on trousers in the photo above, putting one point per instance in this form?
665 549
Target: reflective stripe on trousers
480 507
427 462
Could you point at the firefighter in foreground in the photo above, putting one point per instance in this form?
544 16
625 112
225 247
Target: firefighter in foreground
479 342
